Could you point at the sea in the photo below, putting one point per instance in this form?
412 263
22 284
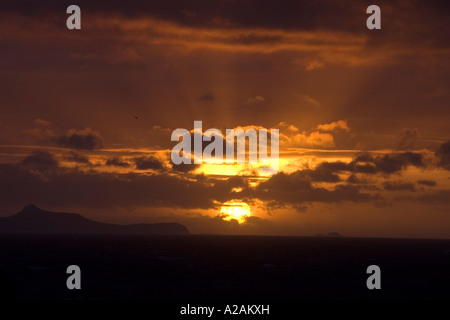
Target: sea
195 270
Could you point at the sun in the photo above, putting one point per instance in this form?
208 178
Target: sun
235 209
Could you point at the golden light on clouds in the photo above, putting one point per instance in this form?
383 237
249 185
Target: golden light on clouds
235 210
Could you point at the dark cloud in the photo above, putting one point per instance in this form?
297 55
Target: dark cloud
326 171
148 162
429 183
398 185
76 157
207 97
80 139
40 159
388 163
362 163
117 162
353 178
72 187
288 14
443 155
392 163
296 189
18 185
183 167
408 138
256 221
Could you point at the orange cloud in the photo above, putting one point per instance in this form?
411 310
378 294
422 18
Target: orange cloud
131 38
340 124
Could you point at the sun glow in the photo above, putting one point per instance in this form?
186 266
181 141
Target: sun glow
235 209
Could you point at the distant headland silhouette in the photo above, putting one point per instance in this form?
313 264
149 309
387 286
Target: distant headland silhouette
32 219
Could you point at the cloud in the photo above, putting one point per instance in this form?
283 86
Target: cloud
408 138
76 157
320 33
148 162
290 136
305 186
207 97
326 171
312 140
42 123
326 183
399 185
73 187
340 124
313 65
308 99
429 183
443 155
288 127
388 163
85 139
255 99
391 163
363 163
296 189
40 160
146 33
182 167
117 162
353 178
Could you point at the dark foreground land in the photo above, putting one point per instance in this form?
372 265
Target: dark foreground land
190 268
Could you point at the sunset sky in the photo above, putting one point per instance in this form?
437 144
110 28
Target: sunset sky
86 116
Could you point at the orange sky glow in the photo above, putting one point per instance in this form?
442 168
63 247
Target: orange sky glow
364 143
